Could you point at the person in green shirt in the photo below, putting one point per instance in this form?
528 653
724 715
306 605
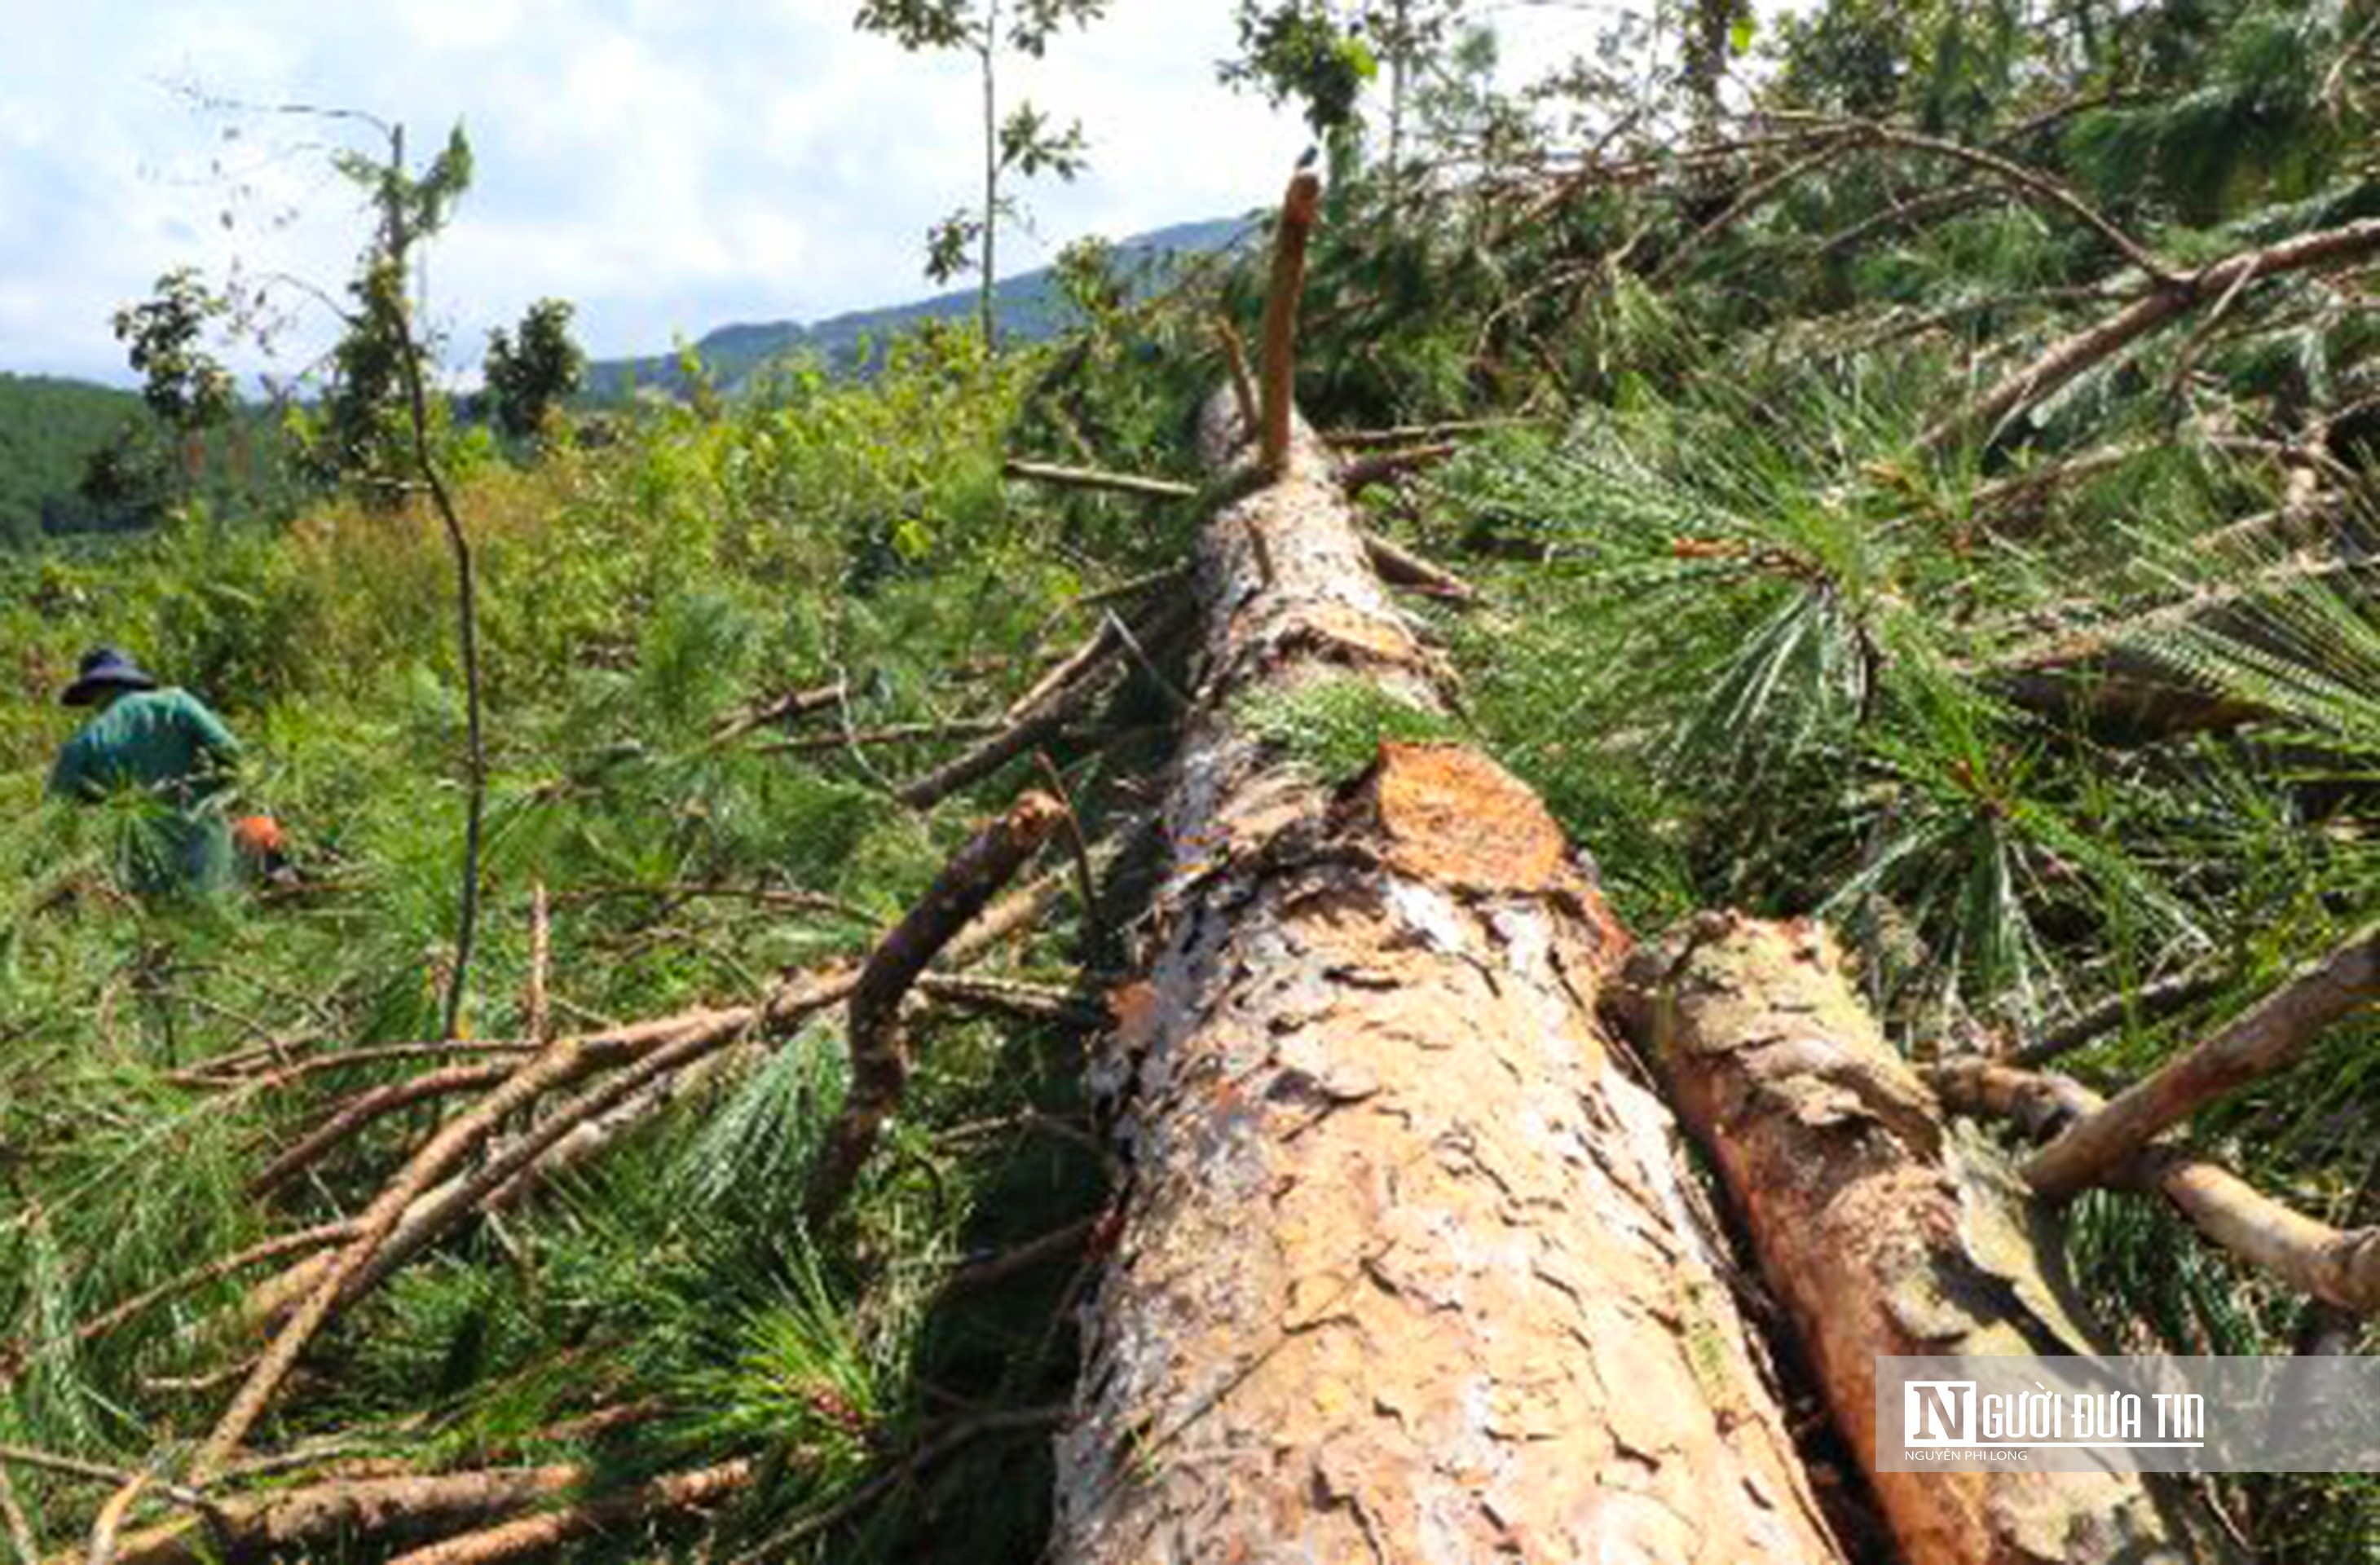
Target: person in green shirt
165 745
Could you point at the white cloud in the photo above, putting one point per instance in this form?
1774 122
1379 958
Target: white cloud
670 167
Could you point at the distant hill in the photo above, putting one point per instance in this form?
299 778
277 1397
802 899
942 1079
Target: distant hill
1028 304
49 427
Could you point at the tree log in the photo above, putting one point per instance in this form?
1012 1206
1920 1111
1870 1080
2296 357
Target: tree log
1881 1232
1408 1269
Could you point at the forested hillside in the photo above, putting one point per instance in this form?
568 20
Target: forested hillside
1398 902
49 431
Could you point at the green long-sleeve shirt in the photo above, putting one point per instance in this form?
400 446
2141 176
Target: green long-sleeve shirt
168 746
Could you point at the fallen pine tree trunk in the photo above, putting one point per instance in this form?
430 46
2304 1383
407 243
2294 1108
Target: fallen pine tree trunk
1882 1230
1408 1268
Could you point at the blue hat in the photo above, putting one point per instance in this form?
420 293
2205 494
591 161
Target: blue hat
104 668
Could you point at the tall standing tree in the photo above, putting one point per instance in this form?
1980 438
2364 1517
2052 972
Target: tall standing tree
533 371
1023 144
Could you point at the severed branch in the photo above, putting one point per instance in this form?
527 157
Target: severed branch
299 1523
1276 391
1399 567
543 1534
787 709
1235 363
2262 1040
880 1061
1028 731
2341 1267
2068 356
366 1109
1380 467
1091 478
2151 1002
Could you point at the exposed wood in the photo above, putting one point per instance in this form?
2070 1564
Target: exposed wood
2268 1037
1879 1230
2071 355
2339 1267
1087 478
1407 1269
1277 390
879 1055
537 1015
529 1536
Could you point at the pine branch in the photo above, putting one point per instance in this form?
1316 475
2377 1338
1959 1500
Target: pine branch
1277 390
2339 1267
2265 1039
880 1062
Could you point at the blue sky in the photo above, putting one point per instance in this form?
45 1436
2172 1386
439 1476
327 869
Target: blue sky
669 165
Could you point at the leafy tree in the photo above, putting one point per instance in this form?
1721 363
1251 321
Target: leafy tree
531 375
1023 145
188 388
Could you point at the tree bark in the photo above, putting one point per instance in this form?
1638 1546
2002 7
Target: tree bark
1882 1232
1409 1269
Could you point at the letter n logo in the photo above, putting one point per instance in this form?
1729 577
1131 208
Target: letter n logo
1937 1413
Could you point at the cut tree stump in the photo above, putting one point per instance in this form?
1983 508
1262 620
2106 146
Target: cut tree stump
1882 1229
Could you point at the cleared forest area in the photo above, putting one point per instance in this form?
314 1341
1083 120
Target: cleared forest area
1399 902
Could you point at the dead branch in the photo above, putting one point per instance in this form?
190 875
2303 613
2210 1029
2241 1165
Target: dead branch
2338 1267
1236 365
1103 646
538 1016
1008 997
2068 356
788 709
1382 466
367 1109
1087 478
304 1522
880 1062
892 734
21 1536
272 1249
206 1077
531 1535
2037 186
1027 732
2258 1043
2151 1002
565 1061
1399 567
1277 390
926 1455
1757 195
983 1271
1086 883
1422 434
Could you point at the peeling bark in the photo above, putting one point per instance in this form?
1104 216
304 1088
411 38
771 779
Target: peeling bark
1409 1269
1883 1231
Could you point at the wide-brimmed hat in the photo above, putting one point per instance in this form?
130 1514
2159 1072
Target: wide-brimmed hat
104 668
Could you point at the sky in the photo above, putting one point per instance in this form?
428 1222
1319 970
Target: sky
669 165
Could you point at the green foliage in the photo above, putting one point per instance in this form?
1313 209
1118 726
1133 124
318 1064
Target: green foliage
530 378
1336 728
